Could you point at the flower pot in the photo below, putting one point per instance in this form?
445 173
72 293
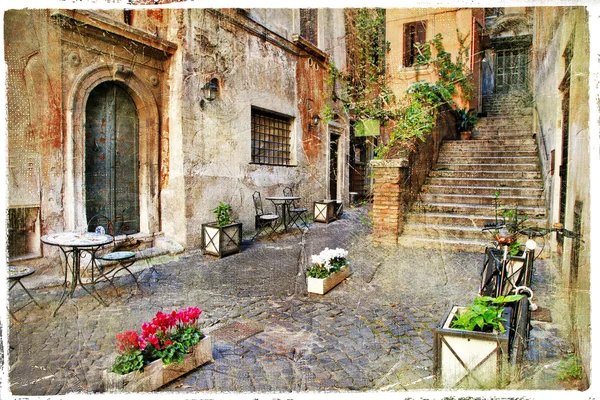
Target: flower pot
324 211
469 359
322 286
221 240
156 374
465 135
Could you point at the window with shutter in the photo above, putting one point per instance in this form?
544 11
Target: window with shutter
414 33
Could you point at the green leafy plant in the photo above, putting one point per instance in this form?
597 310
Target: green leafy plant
571 368
223 214
466 119
131 356
484 315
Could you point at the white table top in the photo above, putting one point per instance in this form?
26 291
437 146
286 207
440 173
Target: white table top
282 198
77 239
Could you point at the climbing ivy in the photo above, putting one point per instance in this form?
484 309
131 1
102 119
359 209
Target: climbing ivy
416 118
362 87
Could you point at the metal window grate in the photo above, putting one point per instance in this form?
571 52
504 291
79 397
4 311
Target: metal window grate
270 138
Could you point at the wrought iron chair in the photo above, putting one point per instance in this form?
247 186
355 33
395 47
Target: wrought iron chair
120 257
296 214
263 222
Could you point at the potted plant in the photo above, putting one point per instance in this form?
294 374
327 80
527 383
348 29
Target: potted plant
224 236
169 346
329 268
471 344
465 122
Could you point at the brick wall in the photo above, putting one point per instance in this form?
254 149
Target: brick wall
398 182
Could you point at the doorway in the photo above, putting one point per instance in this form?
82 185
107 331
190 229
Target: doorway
111 157
334 141
563 169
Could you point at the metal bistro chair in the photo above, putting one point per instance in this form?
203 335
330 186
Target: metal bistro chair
121 256
296 214
263 222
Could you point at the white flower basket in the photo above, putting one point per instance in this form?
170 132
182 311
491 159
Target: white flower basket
322 286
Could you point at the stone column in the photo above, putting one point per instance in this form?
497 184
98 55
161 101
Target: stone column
388 207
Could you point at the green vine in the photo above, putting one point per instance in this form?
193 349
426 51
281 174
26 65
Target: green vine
363 90
417 117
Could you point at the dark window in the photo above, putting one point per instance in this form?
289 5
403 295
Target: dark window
309 24
271 134
414 34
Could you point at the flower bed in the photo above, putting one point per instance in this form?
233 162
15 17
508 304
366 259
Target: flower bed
169 346
330 267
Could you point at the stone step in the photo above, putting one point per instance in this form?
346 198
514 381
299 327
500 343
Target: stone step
490 182
505 120
481 199
452 232
487 167
464 159
483 190
450 152
474 246
485 174
500 134
498 143
437 231
475 221
476 209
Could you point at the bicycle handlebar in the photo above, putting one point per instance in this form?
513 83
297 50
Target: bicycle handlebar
532 231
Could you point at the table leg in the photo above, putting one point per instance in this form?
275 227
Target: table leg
76 277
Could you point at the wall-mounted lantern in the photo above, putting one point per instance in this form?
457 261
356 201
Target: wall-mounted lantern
210 90
314 121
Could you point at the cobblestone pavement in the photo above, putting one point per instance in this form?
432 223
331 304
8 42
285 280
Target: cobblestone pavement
373 332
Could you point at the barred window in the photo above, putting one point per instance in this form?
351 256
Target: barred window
271 133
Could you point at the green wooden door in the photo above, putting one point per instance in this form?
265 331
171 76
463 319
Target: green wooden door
111 157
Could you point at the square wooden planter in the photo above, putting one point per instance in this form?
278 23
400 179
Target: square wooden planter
470 360
221 240
324 211
322 286
156 374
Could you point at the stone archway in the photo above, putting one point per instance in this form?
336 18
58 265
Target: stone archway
149 144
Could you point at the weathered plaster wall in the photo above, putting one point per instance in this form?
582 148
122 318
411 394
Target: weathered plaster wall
216 135
34 128
570 27
445 21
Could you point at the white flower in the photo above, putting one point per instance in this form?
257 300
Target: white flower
325 257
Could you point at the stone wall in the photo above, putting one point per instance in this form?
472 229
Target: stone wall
397 182
565 30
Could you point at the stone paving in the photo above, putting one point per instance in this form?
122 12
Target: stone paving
373 332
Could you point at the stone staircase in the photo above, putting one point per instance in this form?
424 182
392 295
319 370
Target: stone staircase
458 195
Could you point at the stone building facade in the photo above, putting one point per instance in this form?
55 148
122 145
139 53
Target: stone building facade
561 68
154 116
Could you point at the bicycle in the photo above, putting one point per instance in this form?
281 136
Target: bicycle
505 272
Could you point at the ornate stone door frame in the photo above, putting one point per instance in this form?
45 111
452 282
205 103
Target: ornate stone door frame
149 150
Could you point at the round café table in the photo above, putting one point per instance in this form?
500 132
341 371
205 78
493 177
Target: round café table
72 245
284 202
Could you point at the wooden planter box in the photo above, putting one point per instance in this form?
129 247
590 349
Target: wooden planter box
221 240
470 360
325 211
156 374
322 286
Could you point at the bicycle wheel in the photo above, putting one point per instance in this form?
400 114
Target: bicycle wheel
520 336
490 272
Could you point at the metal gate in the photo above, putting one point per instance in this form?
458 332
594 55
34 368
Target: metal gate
512 70
111 157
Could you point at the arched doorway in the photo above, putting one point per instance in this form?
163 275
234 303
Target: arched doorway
112 157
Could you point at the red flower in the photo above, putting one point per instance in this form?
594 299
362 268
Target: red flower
129 341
